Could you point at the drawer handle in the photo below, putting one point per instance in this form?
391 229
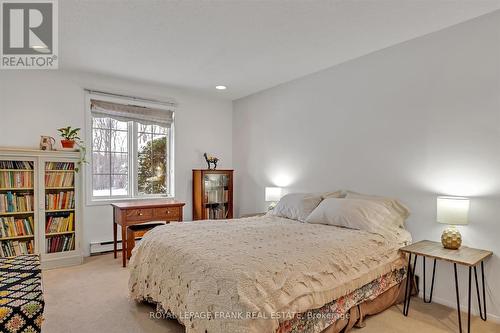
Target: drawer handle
140 214
168 212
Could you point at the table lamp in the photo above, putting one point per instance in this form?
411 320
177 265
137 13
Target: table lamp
452 211
273 195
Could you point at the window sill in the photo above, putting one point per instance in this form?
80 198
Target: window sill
108 201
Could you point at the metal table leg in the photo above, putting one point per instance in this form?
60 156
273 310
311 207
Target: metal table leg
432 283
458 298
482 311
408 287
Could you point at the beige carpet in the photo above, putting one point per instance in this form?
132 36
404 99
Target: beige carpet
93 298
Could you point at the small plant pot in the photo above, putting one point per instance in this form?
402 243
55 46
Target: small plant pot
68 144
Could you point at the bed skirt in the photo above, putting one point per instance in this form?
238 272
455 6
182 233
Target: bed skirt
358 313
349 311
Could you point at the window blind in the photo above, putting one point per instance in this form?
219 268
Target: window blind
128 112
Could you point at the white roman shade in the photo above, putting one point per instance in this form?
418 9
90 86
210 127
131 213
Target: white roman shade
129 112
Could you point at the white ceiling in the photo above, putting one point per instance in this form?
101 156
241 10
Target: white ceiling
247 45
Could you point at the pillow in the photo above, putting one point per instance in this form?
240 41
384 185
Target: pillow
336 194
296 206
358 214
398 210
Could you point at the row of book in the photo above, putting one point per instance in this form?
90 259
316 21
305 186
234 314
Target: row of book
16 202
59 179
61 200
59 223
59 166
26 165
60 243
15 248
216 196
217 212
13 227
16 179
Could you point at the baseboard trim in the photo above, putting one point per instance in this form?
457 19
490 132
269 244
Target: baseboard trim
107 246
61 262
491 317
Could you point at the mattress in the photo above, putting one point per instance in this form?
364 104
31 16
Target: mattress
249 275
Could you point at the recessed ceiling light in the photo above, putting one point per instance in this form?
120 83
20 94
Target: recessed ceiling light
220 87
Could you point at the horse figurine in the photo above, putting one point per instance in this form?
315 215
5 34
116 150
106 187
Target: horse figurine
211 160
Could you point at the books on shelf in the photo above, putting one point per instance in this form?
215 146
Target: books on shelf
14 227
59 223
216 196
217 212
60 243
61 200
59 179
16 202
12 248
59 166
21 165
16 179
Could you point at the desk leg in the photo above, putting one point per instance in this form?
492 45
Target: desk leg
124 246
115 231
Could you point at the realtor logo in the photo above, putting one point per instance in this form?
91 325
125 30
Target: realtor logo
29 36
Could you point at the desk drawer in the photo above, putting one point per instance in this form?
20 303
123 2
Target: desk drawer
140 214
168 213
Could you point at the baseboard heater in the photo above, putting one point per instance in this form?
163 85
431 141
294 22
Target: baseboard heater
106 246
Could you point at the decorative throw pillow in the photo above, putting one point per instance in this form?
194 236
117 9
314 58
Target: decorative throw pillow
352 213
296 206
399 212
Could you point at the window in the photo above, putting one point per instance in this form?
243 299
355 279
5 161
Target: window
131 150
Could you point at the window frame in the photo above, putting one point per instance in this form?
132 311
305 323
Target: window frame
132 152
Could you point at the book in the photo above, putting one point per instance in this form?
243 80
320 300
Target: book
12 227
61 200
16 179
59 179
59 166
15 248
60 243
56 223
16 202
21 165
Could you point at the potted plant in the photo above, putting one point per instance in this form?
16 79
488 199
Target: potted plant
70 136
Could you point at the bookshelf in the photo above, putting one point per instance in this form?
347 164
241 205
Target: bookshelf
59 206
40 209
212 194
17 225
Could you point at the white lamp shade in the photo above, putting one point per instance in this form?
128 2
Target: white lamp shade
273 193
453 210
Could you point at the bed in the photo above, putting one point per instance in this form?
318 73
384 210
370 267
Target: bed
267 274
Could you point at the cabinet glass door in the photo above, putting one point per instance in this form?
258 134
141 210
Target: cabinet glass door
216 195
17 219
60 216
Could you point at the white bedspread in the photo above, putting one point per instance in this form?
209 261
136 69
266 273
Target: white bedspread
260 267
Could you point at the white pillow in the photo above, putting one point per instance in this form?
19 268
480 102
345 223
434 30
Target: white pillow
353 213
399 212
296 206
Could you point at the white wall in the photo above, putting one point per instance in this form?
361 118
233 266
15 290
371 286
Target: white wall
34 103
411 121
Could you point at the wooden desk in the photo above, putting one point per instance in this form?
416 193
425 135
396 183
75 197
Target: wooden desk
142 211
466 256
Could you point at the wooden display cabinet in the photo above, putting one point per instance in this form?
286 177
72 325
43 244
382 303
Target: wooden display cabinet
212 194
